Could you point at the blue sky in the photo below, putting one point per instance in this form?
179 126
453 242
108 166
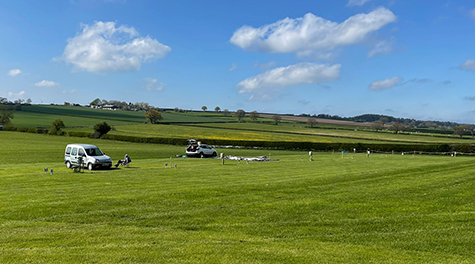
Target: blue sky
344 57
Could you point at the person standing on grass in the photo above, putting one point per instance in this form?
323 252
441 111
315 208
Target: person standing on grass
310 154
368 153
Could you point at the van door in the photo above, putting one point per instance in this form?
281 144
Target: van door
74 156
82 155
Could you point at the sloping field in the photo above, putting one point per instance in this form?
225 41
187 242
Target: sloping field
355 134
394 209
44 120
178 131
72 116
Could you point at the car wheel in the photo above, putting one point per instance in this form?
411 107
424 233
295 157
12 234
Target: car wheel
215 154
89 166
68 164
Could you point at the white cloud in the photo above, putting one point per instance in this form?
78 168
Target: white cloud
468 65
357 2
153 85
12 95
103 47
386 83
382 48
264 86
45 83
233 67
14 72
310 33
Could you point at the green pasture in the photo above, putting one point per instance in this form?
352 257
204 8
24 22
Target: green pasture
179 131
360 133
74 116
211 125
30 119
336 209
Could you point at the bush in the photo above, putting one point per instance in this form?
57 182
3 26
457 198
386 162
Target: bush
56 127
101 129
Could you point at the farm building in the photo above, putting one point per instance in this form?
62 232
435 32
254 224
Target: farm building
110 107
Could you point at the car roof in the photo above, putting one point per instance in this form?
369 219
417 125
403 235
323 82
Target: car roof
81 145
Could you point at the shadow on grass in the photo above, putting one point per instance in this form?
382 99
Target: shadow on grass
125 168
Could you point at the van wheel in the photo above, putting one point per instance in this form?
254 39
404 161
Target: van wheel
68 164
89 166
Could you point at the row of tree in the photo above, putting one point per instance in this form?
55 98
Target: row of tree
409 122
397 127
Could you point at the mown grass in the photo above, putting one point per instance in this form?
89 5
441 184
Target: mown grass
383 209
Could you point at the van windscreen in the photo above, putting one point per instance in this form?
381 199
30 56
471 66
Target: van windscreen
94 152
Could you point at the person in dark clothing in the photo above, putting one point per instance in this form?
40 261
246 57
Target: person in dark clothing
125 161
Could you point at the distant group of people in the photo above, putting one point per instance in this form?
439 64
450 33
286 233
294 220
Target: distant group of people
125 161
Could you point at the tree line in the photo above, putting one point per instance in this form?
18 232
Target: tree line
409 122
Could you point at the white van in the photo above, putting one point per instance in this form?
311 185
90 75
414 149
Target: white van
92 156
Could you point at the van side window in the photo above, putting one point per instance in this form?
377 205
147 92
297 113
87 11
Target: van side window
75 151
68 150
81 152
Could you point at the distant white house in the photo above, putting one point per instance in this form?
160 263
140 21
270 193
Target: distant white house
109 107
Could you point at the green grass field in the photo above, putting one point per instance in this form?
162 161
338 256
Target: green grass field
263 132
73 116
177 131
382 209
360 133
209 125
